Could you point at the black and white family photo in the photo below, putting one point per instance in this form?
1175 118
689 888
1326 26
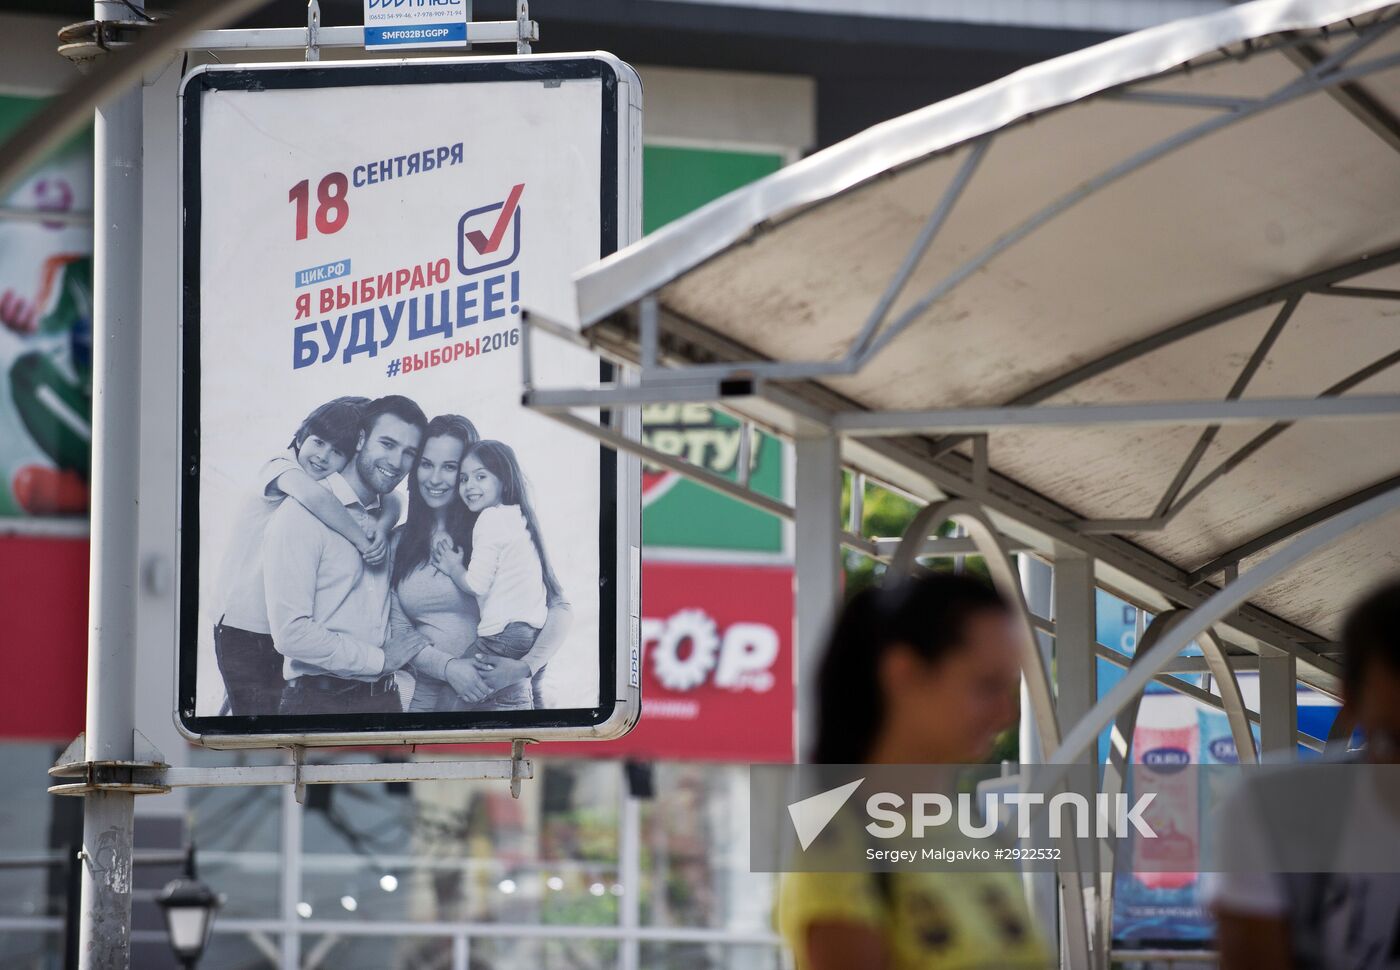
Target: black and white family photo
342 593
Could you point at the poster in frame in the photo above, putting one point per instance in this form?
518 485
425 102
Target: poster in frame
379 544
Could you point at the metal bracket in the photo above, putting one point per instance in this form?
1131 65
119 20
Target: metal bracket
299 760
524 27
147 773
313 43
110 775
89 39
518 768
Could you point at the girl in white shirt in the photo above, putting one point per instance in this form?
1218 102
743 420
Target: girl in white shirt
509 573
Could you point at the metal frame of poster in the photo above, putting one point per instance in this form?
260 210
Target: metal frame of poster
491 149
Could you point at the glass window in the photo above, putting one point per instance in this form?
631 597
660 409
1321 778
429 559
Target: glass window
466 851
504 953
358 952
38 833
695 852
709 956
242 951
238 834
31 950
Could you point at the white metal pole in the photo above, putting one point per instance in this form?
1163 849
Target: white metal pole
817 547
291 888
1278 707
1076 690
1040 886
630 875
104 937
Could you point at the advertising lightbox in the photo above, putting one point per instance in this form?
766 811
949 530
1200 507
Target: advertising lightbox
378 543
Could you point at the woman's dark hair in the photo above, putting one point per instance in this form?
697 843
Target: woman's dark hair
335 422
1371 637
417 531
499 459
928 615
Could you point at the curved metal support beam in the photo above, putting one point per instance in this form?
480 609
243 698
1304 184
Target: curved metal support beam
1215 609
983 534
1125 726
1228 684
1004 576
1116 769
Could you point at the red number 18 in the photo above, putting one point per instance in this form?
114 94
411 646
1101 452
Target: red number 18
332 210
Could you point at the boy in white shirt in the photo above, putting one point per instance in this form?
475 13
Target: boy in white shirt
250 664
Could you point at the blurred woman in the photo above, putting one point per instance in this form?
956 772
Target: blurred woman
923 672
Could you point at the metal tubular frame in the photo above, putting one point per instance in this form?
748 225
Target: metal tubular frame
1116 768
917 467
1215 609
1330 72
1007 580
686 361
1291 527
1166 678
1251 367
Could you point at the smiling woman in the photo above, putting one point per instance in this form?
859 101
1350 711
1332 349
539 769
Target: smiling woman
423 599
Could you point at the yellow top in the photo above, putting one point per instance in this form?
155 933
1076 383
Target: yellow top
928 920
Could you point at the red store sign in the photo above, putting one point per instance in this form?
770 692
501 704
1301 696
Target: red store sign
716 667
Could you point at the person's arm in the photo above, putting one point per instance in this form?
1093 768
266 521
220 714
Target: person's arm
490 537
1243 889
1251 942
501 672
838 945
291 552
552 635
429 660
834 920
381 529
489 541
298 485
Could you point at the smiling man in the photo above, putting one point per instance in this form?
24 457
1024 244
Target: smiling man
328 608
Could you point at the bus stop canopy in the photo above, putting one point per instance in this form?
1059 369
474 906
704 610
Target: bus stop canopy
1143 300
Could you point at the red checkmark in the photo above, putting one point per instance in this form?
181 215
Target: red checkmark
498 232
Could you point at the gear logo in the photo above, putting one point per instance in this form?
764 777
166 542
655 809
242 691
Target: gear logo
677 673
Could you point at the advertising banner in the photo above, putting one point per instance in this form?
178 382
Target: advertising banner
682 514
716 663
378 542
46 333
716 666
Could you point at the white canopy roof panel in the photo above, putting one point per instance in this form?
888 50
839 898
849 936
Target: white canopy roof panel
1205 210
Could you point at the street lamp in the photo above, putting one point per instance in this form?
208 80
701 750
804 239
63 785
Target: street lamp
189 906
